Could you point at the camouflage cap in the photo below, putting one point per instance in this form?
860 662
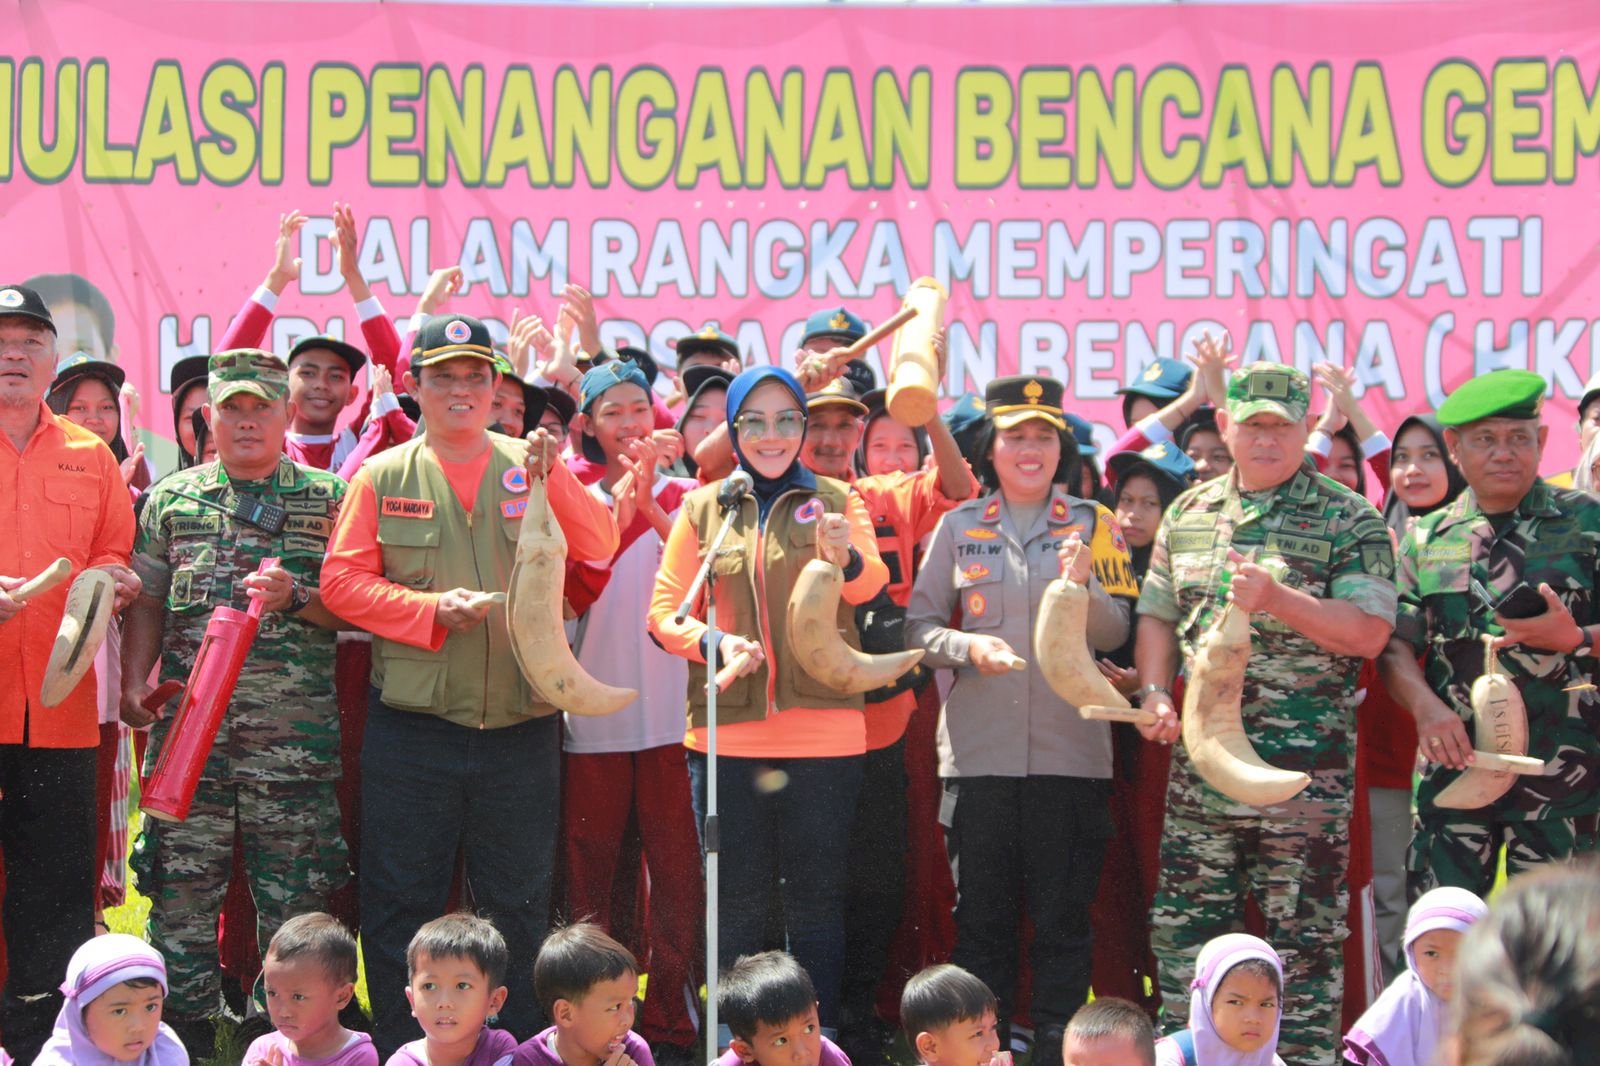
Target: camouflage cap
1268 388
247 370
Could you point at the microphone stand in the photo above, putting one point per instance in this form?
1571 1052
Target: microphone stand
707 579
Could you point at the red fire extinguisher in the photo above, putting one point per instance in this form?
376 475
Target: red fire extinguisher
170 787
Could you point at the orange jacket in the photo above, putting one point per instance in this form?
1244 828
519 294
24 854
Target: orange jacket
63 495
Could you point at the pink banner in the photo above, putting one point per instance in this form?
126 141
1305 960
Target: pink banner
1404 188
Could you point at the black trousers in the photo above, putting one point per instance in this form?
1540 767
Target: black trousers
430 791
876 880
47 827
1033 841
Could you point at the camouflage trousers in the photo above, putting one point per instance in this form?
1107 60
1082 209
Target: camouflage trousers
294 857
1467 854
1296 871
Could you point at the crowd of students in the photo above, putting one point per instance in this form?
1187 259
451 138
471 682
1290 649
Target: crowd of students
963 812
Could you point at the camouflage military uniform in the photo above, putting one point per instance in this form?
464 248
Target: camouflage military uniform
1453 565
1299 708
275 762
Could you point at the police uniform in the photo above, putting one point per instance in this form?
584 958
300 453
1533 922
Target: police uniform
1026 779
275 760
1299 707
1454 565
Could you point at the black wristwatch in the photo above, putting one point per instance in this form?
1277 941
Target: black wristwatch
1148 689
299 596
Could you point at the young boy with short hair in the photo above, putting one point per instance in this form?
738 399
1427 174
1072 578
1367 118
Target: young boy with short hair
455 982
586 982
949 1019
309 975
1109 1032
770 1005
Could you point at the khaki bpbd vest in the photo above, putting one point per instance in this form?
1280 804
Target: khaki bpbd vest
750 561
430 544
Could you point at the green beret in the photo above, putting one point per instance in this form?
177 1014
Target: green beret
1501 394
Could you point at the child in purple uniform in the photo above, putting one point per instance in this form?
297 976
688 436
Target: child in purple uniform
770 1006
310 976
587 984
456 968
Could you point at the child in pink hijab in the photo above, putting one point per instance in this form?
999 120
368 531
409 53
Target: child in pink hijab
1404 1027
1235 1005
112 1014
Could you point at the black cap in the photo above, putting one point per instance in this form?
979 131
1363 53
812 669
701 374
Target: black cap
451 337
83 366
710 339
190 370
23 301
697 377
565 404
1015 399
354 357
641 359
859 373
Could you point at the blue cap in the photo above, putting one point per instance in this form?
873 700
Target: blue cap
1084 432
1165 459
1164 379
964 419
834 322
606 376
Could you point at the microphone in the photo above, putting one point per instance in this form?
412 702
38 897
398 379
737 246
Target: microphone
734 488
729 494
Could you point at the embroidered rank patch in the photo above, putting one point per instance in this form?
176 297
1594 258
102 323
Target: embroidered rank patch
991 512
401 507
515 479
983 534
809 511
515 508
977 605
1058 510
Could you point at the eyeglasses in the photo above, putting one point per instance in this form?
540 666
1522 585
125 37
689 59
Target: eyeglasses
787 424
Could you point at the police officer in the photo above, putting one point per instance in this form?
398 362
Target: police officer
274 764
1313 563
1515 558
63 497
1026 780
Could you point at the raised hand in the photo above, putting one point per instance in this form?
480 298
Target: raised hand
442 284
1337 383
580 308
346 252
285 264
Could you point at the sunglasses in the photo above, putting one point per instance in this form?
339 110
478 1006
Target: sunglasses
787 425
